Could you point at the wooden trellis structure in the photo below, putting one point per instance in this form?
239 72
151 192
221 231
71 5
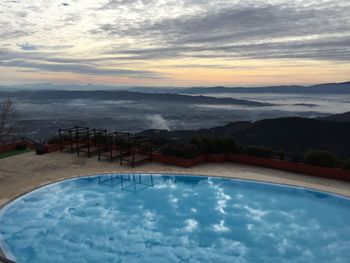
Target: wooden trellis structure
109 146
128 148
136 149
68 137
87 140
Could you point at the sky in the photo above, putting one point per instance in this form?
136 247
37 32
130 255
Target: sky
174 42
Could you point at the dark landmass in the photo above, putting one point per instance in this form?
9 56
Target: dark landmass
292 135
327 88
43 111
119 95
343 117
305 104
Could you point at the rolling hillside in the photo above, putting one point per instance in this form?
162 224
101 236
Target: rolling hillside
293 135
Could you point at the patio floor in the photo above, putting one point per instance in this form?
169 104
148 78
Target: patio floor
24 172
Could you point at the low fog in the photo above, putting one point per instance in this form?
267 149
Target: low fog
42 118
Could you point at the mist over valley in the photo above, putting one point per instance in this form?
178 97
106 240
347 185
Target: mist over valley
42 112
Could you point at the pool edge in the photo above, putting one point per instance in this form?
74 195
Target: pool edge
176 174
3 207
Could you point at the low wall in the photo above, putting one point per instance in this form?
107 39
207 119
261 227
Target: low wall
327 172
8 147
52 147
178 161
302 168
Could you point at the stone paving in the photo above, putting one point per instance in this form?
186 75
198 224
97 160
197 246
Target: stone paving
22 173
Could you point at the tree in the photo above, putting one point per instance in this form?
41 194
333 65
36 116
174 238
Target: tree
321 158
9 119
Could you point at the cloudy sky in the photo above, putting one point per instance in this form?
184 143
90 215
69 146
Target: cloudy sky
175 42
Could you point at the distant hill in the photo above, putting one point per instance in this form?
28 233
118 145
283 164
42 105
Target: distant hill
328 88
325 88
121 95
293 135
343 117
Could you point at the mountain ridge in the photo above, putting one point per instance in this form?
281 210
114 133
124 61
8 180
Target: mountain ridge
321 88
123 95
291 134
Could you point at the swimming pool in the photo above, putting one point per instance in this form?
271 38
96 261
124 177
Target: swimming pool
173 218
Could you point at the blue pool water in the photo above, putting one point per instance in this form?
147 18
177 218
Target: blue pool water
169 218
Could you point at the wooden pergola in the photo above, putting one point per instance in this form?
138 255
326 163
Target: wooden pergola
136 149
131 149
109 146
87 141
68 137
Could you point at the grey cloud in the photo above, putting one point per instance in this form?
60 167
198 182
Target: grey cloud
114 4
27 46
77 68
44 61
53 54
254 23
13 33
230 30
337 48
237 32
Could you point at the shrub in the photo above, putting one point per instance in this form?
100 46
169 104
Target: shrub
281 155
215 145
145 148
54 140
230 146
346 165
187 151
321 158
203 144
21 146
258 151
296 158
167 149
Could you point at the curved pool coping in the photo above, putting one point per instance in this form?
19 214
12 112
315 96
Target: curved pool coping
177 174
7 252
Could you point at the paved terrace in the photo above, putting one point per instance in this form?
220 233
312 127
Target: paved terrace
24 172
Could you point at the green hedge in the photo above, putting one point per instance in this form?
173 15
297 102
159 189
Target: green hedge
258 151
216 145
201 145
321 158
187 151
281 155
56 139
221 145
346 165
21 146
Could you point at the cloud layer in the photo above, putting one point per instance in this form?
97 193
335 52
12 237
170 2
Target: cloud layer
153 39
